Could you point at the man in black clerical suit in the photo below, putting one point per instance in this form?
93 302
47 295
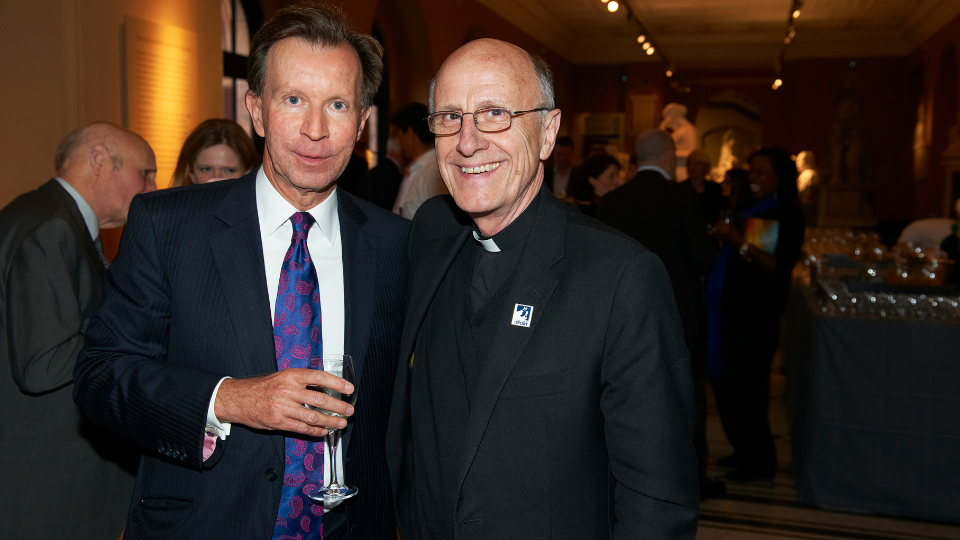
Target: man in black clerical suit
544 390
665 217
197 296
63 477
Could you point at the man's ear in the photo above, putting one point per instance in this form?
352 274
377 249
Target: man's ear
99 157
551 125
363 120
255 108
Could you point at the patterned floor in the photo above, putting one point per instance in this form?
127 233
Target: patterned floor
755 513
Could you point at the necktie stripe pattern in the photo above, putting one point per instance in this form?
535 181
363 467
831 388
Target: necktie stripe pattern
297 339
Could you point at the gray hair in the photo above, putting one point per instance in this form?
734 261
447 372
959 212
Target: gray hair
652 143
544 77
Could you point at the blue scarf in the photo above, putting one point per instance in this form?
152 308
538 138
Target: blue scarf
714 289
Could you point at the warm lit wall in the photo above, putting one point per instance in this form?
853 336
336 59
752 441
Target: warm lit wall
60 62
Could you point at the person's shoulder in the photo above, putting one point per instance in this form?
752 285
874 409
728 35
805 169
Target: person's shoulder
375 214
598 238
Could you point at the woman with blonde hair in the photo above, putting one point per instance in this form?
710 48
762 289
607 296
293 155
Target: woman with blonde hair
217 149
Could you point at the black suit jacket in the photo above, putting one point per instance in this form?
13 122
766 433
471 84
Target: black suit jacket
581 425
50 284
186 304
665 217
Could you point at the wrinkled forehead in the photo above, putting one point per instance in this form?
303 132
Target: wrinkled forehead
486 76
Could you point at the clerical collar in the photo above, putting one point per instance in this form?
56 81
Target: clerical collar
513 234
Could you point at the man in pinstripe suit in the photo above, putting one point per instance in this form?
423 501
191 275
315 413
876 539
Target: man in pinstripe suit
184 339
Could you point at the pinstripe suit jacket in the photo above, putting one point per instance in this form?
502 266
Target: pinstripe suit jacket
185 304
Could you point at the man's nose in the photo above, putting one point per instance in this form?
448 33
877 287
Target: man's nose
471 138
315 124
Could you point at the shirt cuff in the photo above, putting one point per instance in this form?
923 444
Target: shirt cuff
214 426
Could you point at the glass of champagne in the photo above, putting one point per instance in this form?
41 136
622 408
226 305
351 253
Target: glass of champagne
340 365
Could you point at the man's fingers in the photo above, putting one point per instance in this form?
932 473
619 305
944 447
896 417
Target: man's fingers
315 377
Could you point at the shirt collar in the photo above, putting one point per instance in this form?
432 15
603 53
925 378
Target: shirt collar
274 211
513 234
89 218
654 168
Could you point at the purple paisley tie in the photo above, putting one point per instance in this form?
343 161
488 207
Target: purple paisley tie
297 338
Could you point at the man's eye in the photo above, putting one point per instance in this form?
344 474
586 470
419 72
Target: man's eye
339 105
204 169
293 100
451 117
494 113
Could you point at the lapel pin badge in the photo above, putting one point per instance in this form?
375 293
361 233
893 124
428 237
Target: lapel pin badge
522 315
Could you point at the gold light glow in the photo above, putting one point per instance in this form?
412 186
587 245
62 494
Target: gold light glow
612 6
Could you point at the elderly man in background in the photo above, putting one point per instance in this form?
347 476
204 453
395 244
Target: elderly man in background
63 476
544 390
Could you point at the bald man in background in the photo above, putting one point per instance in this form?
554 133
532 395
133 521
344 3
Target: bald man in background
62 476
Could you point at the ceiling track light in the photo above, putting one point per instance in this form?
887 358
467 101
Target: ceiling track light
646 45
612 6
641 38
650 51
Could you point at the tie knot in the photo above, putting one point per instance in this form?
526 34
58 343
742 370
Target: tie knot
301 224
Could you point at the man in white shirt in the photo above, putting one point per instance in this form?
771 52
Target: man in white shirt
185 339
51 273
423 178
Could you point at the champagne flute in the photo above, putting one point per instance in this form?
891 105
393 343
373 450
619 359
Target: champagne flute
340 365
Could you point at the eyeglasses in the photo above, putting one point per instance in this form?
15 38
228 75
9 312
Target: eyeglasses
490 120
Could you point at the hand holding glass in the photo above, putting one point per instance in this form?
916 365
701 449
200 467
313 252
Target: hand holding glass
340 365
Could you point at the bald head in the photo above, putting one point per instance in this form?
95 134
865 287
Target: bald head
108 165
656 147
493 174
494 49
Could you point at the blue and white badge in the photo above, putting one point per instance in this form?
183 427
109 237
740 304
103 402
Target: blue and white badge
522 315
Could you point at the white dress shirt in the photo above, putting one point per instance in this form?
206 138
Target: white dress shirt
89 218
423 181
326 251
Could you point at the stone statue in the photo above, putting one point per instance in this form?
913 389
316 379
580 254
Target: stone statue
846 139
807 179
728 159
684 135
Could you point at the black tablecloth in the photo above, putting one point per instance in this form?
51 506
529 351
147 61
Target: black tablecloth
874 408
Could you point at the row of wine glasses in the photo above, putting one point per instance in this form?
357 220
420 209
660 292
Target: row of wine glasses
835 298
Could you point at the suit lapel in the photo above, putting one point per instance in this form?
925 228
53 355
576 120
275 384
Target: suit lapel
533 284
359 285
238 255
54 190
436 257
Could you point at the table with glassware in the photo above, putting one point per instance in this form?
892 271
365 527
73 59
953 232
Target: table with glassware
873 385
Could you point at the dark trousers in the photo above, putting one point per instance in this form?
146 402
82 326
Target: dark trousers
743 402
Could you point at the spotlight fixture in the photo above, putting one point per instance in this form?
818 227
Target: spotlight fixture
669 73
646 45
641 38
777 83
612 6
650 51
796 14
604 1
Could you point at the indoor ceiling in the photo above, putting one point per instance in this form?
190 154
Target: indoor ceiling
727 33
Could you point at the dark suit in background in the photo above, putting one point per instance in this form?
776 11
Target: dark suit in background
385 181
665 217
186 304
577 426
60 471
